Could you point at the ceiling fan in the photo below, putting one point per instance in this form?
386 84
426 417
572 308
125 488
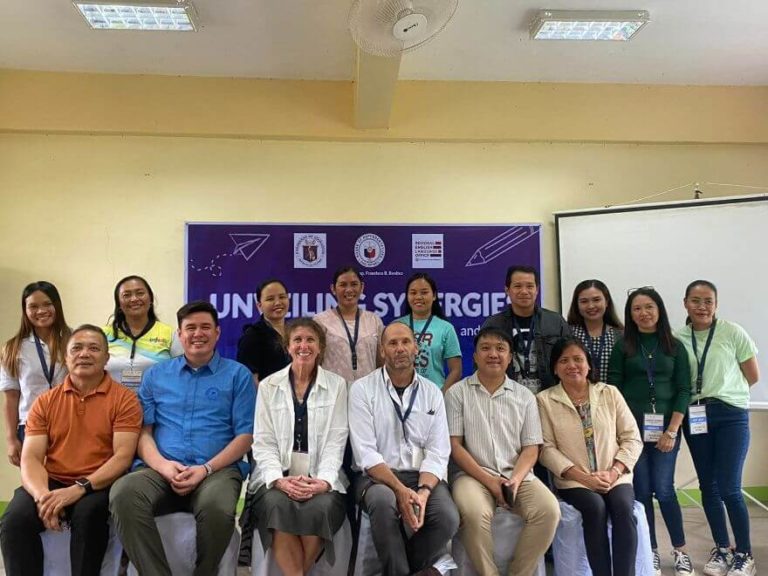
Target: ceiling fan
391 27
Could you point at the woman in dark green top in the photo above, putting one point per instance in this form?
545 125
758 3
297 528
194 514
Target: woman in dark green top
651 369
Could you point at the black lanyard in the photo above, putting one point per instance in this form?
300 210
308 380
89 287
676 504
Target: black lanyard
597 352
400 416
649 361
525 344
43 364
700 363
352 341
134 339
423 332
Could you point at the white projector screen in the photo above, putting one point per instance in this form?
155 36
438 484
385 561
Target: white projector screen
667 246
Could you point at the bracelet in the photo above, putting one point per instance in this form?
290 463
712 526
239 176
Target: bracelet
670 434
618 472
425 487
208 469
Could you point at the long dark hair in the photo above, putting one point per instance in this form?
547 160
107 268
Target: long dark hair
437 310
663 330
60 332
560 346
692 285
610 317
118 316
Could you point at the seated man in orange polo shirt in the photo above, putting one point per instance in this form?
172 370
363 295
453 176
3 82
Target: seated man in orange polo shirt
80 437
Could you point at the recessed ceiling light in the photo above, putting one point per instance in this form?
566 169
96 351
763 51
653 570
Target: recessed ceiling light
617 25
160 15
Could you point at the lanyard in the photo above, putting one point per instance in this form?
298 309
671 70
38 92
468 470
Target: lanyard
423 332
400 416
43 364
352 341
525 344
649 361
138 337
597 351
700 363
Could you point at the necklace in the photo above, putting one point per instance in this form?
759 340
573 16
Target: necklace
578 400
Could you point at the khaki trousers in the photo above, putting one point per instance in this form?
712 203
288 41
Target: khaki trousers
535 503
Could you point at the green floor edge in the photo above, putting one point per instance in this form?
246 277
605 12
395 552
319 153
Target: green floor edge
686 497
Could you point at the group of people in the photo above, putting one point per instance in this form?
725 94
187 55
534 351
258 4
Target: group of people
350 415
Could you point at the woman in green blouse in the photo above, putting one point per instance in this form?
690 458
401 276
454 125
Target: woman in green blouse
650 367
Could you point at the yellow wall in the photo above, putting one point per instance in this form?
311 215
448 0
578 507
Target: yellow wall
85 209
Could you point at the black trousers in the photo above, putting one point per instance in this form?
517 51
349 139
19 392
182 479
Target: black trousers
20 529
595 510
399 554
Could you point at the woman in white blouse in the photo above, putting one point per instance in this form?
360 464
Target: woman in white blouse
299 437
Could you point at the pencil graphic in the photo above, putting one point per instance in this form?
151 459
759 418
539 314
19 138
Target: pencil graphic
501 244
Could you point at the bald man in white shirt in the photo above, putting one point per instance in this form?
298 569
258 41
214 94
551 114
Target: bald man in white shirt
400 440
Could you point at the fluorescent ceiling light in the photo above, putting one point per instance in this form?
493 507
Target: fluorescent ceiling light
618 25
160 15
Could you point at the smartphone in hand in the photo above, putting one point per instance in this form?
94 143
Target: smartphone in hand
509 494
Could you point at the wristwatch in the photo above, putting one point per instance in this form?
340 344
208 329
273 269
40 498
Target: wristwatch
85 484
670 434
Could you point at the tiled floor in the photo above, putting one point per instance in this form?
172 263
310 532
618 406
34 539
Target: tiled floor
697 534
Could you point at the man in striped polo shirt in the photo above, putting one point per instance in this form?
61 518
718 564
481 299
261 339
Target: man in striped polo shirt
495 435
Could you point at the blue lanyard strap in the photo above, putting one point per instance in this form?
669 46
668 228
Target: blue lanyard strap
700 362
48 373
400 416
649 361
423 332
352 341
525 345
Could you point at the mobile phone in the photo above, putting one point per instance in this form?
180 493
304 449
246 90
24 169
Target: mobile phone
509 494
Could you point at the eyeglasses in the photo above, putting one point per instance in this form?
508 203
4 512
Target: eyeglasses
633 290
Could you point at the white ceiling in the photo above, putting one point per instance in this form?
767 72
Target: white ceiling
705 42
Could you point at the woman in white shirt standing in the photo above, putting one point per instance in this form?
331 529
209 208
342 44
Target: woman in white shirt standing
300 432
33 360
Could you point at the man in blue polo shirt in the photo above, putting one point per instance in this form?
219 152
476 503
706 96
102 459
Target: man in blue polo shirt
198 427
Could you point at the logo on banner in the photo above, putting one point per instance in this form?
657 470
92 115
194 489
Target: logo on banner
369 250
427 250
309 251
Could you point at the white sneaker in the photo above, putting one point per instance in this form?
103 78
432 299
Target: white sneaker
743 565
719 563
656 563
683 566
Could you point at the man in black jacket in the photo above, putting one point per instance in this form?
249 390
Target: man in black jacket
533 330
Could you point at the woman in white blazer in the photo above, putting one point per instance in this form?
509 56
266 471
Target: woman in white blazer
299 437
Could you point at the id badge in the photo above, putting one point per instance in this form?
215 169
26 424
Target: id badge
299 464
131 377
697 419
653 427
417 457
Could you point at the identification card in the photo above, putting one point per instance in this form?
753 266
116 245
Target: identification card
697 419
131 377
417 457
299 464
653 427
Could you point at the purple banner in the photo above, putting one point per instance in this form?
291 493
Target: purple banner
225 263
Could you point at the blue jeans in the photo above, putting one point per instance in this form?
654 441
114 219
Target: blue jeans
654 475
718 457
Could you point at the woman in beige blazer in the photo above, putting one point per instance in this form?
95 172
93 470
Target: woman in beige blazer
591 443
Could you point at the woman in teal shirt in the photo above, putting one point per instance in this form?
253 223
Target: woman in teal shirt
724 362
436 337
650 367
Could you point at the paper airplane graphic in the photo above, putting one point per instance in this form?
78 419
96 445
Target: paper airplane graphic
248 244
501 244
